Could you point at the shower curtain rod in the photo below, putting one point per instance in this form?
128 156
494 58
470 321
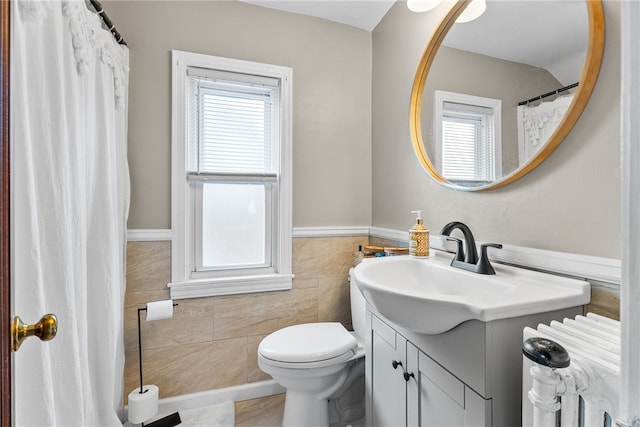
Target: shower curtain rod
107 22
553 92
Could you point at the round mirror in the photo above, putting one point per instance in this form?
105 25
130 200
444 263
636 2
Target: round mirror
494 96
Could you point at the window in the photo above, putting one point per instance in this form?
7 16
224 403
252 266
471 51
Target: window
231 180
468 135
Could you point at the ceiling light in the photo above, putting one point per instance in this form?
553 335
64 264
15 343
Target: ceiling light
472 11
422 5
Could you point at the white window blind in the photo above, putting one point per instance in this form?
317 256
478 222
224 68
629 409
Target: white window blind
233 126
468 150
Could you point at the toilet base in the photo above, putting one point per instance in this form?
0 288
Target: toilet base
305 406
340 405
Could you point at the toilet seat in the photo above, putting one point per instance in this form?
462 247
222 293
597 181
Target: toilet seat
308 346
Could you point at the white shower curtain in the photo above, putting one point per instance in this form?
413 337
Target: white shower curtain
70 199
537 123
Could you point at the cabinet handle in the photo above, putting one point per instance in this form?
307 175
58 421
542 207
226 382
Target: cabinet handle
408 376
395 364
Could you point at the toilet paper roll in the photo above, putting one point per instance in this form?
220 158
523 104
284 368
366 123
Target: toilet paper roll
158 310
143 406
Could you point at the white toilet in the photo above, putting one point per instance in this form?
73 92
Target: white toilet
322 367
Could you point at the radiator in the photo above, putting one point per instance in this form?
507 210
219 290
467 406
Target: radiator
585 393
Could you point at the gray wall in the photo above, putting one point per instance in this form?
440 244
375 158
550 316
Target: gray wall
331 88
570 203
353 159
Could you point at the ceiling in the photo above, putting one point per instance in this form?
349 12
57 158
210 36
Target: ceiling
548 34
364 14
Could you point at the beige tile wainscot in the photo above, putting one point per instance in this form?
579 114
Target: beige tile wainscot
212 342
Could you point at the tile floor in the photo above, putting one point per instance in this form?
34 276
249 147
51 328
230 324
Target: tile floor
263 412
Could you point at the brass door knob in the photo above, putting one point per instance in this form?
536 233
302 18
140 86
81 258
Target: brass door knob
45 329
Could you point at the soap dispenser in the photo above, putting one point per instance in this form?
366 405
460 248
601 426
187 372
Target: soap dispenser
418 238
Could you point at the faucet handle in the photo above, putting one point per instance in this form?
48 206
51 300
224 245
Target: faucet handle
484 246
484 266
460 251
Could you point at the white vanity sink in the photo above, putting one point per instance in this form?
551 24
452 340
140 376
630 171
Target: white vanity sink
428 296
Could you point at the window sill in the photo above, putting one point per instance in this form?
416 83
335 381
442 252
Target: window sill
230 286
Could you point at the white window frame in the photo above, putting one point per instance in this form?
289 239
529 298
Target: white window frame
442 96
185 281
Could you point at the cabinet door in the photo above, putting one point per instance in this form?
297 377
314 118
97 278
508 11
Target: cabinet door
436 398
388 387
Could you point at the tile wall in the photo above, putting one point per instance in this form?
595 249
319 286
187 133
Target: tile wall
211 343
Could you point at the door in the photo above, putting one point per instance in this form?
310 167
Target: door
5 276
6 319
436 398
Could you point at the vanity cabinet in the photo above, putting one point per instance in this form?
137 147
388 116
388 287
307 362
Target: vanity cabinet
387 362
436 398
408 388
468 376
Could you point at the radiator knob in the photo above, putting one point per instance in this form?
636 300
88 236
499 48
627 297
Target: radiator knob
546 353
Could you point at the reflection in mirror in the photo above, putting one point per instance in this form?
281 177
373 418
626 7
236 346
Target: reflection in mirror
526 55
468 138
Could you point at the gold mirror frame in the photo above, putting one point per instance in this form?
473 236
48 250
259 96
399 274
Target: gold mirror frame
587 82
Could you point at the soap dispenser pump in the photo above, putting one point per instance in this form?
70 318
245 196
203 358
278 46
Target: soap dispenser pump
418 237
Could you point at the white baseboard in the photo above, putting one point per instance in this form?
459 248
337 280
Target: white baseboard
148 235
237 393
575 265
331 231
390 234
581 266
151 235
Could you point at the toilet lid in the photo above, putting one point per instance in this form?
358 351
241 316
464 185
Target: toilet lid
308 342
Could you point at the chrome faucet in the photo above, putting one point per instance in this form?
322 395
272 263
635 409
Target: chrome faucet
467 258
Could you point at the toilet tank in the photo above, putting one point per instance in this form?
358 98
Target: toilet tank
358 308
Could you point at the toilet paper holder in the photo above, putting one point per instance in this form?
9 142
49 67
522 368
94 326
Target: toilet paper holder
150 307
156 310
